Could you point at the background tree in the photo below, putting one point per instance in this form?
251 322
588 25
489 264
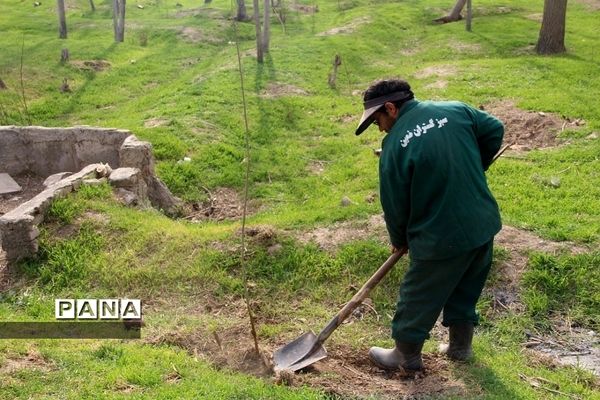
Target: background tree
266 27
259 47
552 32
119 19
62 19
242 15
92 5
455 14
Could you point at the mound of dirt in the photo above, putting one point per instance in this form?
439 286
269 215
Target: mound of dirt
91 65
529 130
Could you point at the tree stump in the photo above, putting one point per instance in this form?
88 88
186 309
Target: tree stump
64 88
64 55
337 61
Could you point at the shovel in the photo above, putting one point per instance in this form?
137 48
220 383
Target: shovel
308 348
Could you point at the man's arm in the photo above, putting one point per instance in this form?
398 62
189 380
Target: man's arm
489 132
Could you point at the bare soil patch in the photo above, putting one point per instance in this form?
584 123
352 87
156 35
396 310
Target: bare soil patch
91 65
222 204
345 372
530 129
567 345
348 28
195 35
594 5
349 373
229 348
440 84
330 237
154 122
274 90
436 70
33 360
32 185
303 8
205 11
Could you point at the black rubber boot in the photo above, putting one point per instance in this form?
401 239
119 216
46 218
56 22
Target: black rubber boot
404 355
461 339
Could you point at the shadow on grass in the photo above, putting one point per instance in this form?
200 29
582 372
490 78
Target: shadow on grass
76 97
480 377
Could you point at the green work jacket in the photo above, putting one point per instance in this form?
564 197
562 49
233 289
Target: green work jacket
433 189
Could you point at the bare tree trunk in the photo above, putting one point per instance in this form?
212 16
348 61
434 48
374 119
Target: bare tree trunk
454 14
469 15
62 19
119 19
92 5
552 33
266 26
242 15
259 47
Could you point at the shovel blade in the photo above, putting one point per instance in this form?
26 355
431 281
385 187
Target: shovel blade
298 354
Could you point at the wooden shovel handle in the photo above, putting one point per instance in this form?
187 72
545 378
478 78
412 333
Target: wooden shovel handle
359 297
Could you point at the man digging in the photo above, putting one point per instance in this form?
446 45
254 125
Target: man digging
437 204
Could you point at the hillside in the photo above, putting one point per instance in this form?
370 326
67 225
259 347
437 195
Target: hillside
314 231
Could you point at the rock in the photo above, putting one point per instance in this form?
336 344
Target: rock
54 178
124 177
127 197
345 201
555 182
593 135
274 249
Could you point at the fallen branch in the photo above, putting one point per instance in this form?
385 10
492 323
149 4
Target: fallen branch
538 383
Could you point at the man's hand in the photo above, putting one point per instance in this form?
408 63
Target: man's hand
402 250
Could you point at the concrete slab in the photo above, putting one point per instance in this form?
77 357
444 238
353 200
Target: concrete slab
8 184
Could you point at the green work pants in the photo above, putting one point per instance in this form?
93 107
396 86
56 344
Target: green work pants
430 286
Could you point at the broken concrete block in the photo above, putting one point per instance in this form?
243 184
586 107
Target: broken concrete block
137 154
125 177
55 178
8 184
130 179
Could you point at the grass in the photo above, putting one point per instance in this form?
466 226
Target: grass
184 97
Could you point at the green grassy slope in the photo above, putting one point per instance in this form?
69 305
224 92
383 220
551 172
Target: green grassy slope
175 82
